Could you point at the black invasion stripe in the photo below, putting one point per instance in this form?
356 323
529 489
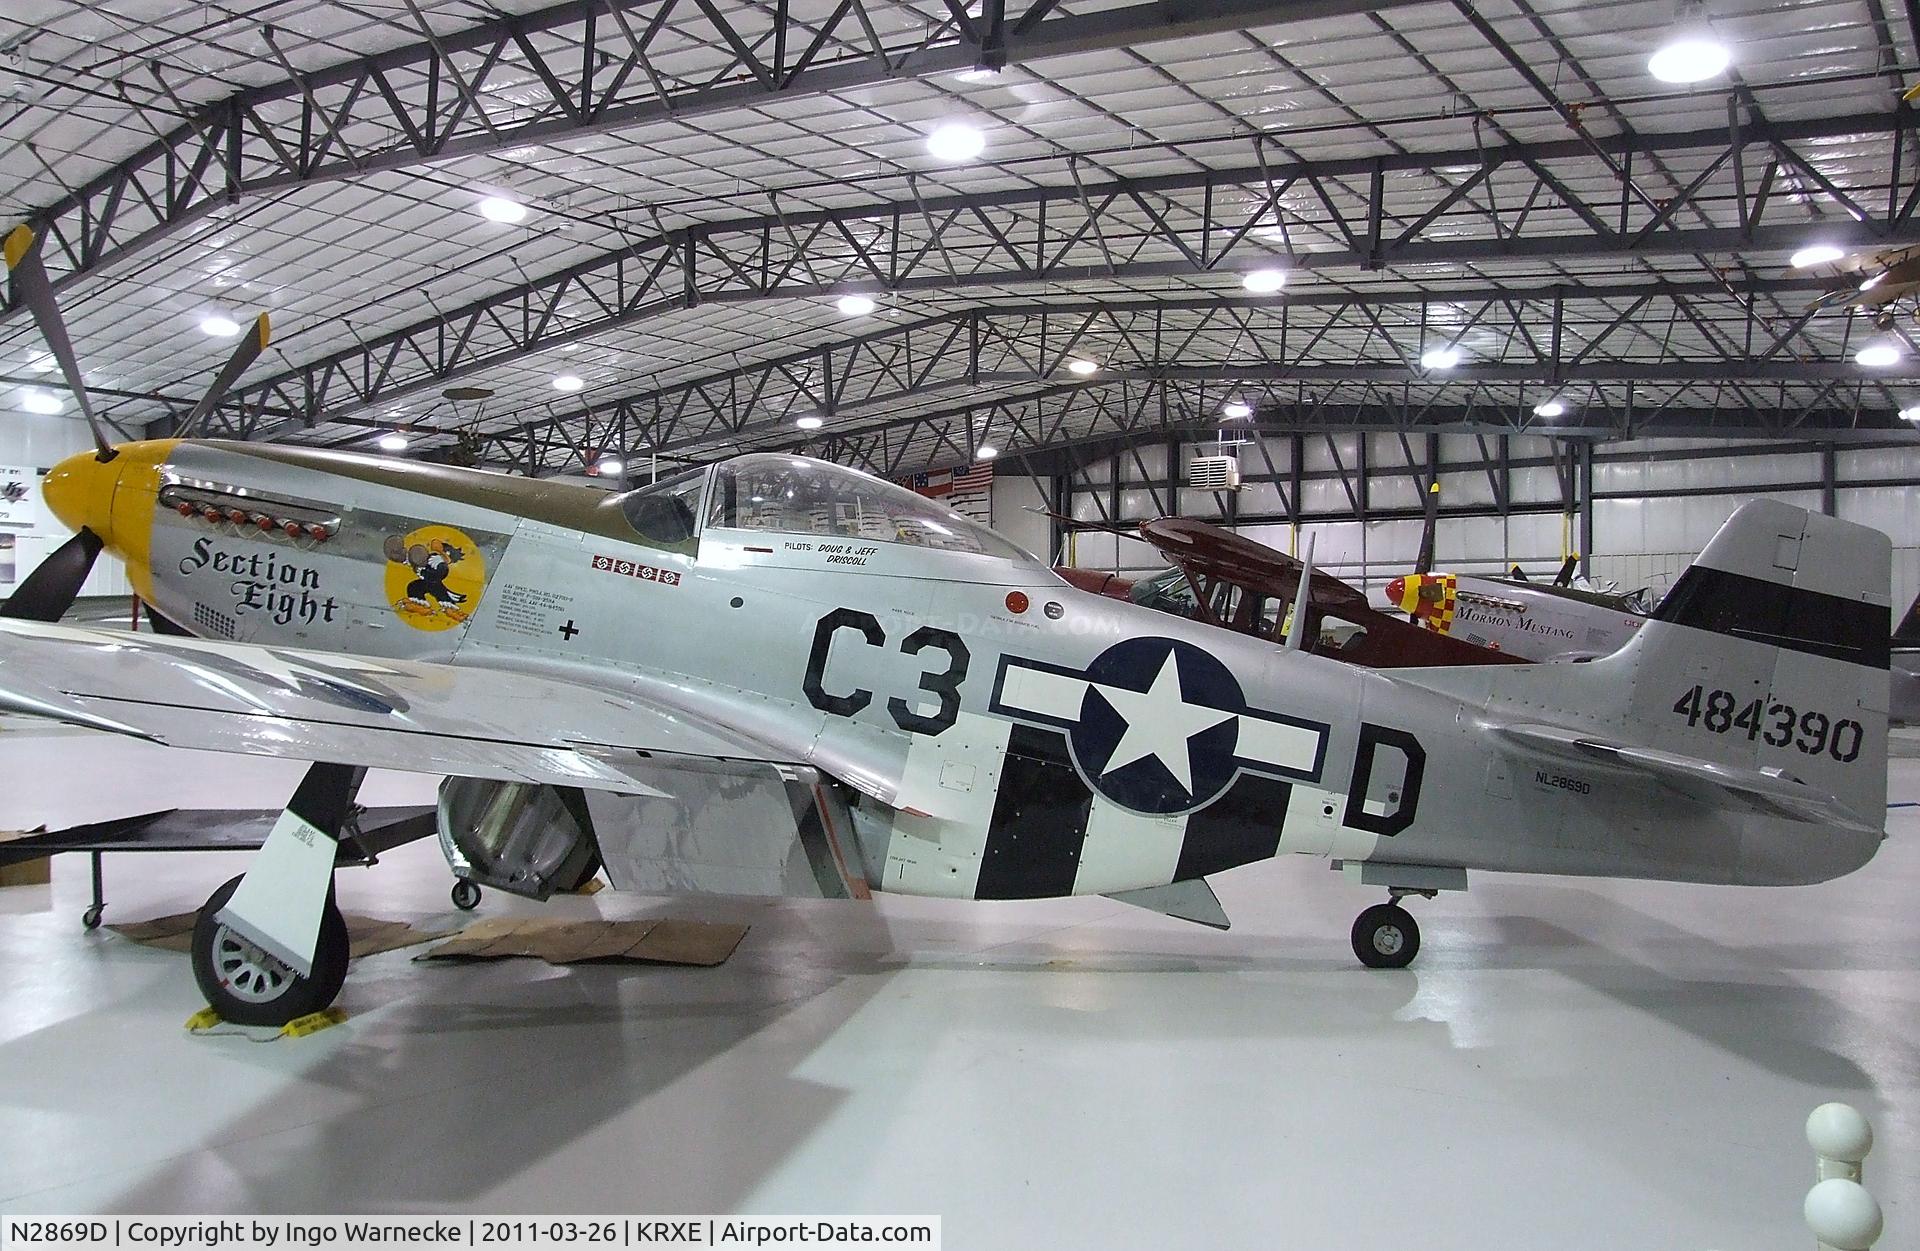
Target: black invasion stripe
1039 820
1799 620
1238 828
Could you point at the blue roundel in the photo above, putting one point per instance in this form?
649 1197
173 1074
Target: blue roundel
1158 726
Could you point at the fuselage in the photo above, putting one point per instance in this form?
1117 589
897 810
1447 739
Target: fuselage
1009 736
1536 623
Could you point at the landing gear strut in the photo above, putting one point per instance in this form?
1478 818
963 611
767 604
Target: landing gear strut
1386 936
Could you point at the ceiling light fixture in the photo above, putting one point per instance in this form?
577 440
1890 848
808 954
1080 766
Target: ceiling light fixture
46 403
986 451
219 325
498 208
1238 410
1082 367
1690 55
810 423
1877 356
1440 358
610 467
955 142
569 383
855 305
1816 254
1265 281
1911 413
1550 408
393 441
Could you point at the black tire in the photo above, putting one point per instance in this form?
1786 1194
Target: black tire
90 919
466 895
253 988
1386 937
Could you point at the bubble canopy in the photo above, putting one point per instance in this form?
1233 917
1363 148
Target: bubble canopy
767 491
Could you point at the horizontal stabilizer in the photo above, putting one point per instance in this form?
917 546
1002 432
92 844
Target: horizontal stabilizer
1766 791
1184 901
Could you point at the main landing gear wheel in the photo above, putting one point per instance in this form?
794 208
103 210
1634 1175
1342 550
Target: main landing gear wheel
1385 937
466 896
91 917
247 986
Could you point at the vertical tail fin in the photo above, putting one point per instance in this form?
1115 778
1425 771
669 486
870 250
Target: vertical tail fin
1771 653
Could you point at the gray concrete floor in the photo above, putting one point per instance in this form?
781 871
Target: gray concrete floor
1569 1065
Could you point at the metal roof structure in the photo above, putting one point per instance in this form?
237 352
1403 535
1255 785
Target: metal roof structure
706 179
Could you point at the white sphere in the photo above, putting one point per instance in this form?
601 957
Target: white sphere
1842 1214
1836 1131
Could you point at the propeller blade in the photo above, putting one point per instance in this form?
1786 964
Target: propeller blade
1565 576
51 589
1423 563
245 353
30 287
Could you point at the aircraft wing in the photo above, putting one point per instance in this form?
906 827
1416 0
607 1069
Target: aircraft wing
1703 781
462 720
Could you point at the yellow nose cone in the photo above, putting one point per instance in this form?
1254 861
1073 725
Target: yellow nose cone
116 499
79 490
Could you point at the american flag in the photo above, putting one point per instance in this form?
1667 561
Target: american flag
968 491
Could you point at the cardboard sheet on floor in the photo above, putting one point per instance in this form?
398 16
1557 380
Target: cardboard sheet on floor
701 943
367 936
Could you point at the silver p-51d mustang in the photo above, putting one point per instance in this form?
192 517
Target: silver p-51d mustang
781 676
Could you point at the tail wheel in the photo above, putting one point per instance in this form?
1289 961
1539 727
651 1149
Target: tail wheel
1386 937
249 986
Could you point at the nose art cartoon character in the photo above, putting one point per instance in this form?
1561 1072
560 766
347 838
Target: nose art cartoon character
430 563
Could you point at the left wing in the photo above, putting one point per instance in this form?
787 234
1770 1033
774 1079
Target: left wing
422 717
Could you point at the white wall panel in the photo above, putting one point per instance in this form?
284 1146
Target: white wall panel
1139 505
1470 543
1323 495
1878 462
1207 505
1279 538
1537 484
1392 543
39 442
1258 499
1465 490
1317 456
1015 496
1393 492
1895 510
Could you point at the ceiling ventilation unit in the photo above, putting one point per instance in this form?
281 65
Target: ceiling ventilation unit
1214 473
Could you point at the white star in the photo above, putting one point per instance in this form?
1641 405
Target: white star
1159 723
